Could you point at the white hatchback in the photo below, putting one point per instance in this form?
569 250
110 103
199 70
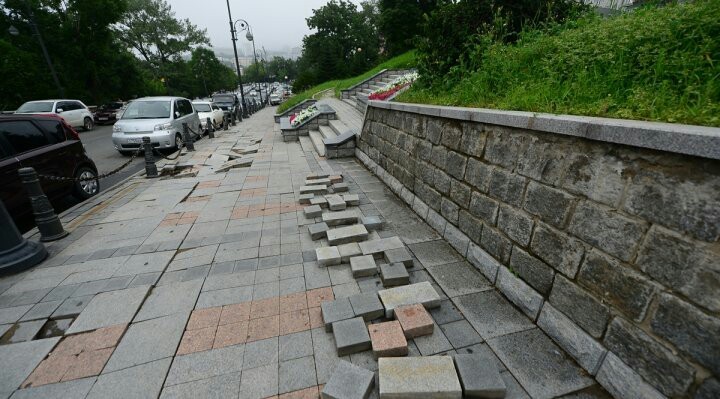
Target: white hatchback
207 109
75 113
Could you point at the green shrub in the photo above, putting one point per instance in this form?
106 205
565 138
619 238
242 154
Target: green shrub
655 63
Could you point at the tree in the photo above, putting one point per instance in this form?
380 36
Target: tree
209 74
400 22
280 67
150 28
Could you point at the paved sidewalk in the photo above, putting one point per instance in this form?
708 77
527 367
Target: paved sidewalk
208 286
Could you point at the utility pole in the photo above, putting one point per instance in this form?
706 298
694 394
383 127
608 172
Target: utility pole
237 63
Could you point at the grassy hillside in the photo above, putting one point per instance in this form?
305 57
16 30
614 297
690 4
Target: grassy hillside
406 60
660 64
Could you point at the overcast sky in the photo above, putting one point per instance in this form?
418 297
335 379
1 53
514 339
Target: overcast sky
277 24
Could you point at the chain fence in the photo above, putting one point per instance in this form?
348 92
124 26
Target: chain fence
102 176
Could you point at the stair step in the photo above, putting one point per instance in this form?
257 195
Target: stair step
339 127
350 102
327 131
317 139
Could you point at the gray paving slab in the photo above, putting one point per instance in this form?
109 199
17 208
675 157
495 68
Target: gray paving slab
349 381
143 381
422 293
363 266
296 345
491 314
4 328
377 247
337 310
260 353
347 234
260 382
227 296
109 308
206 364
367 306
434 253
335 202
223 281
148 341
459 278
418 378
75 389
461 334
447 312
484 350
340 218
222 386
434 343
348 251
145 263
305 198
351 336
479 377
312 211
327 256
72 306
296 374
398 255
394 274
24 331
318 230
539 365
23 357
13 314
169 299
319 201
373 223
351 200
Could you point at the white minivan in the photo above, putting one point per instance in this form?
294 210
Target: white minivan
75 113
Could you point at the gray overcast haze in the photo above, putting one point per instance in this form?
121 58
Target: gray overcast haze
279 25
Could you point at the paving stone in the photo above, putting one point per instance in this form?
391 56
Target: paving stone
348 251
334 311
394 274
318 230
422 293
315 182
23 357
260 353
418 378
491 314
148 341
297 374
13 314
367 306
222 386
140 382
377 247
202 365
398 255
373 223
432 344
294 346
336 178
446 313
340 187
340 218
319 201
461 334
314 189
388 339
344 235
351 199
335 202
351 336
434 253
312 211
169 299
260 382
75 389
539 365
209 299
362 266
415 320
316 176
348 381
327 256
479 377
305 198
459 278
24 331
109 308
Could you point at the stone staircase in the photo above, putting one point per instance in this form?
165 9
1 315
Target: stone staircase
357 95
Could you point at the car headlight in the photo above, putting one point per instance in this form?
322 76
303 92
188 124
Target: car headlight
164 126
117 128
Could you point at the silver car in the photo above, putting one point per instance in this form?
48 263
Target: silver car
160 118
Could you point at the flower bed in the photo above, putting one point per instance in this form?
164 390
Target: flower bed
302 116
393 87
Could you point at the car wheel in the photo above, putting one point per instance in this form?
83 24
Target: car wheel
88 125
178 142
86 188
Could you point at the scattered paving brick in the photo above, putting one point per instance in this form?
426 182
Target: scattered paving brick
351 199
367 306
314 189
327 256
388 339
363 266
315 182
415 320
305 199
347 234
340 218
318 230
337 310
348 251
416 377
335 202
313 211
399 255
319 201
336 178
479 376
372 223
351 336
340 187
394 274
316 176
377 247
348 381
422 293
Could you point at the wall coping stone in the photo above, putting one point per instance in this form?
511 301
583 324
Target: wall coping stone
701 141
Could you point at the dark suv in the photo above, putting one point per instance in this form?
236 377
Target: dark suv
229 103
50 146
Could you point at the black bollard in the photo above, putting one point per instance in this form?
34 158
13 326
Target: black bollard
233 116
150 167
45 218
226 123
189 141
211 129
16 253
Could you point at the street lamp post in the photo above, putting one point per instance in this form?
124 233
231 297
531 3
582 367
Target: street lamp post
244 25
233 35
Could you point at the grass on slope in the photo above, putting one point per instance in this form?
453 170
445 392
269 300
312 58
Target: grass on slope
402 61
660 64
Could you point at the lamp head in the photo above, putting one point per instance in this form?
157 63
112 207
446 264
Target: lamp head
13 30
249 36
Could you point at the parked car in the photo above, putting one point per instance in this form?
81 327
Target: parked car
50 146
229 103
160 118
75 113
108 113
207 109
275 99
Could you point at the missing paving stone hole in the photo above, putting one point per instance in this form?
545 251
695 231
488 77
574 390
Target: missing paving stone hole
55 328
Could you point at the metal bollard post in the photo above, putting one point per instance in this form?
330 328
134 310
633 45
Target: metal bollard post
45 218
211 129
189 142
233 116
16 253
150 167
226 123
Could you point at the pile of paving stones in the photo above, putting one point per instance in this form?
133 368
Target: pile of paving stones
383 321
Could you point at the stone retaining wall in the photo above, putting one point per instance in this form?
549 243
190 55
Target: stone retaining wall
611 248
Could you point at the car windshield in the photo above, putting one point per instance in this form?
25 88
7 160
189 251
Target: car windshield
147 110
44 106
223 99
202 107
